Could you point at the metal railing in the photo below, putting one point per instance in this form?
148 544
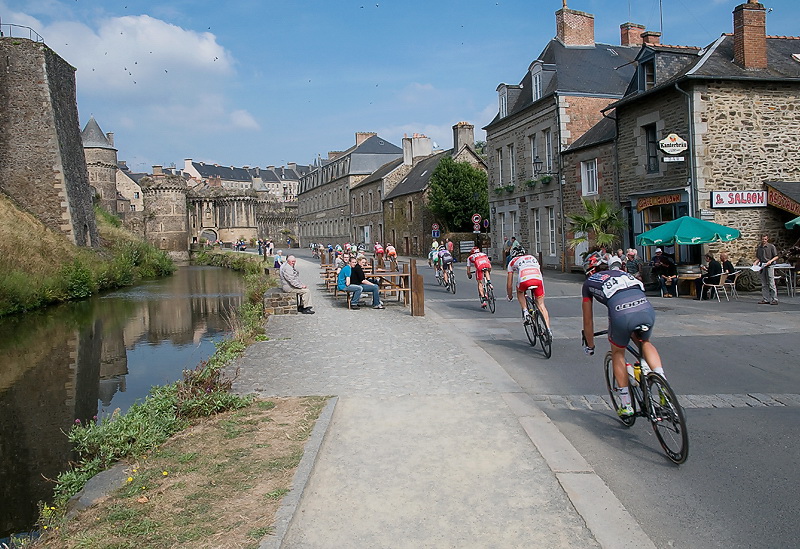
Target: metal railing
19 31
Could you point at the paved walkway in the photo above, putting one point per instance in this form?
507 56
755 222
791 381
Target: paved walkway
426 443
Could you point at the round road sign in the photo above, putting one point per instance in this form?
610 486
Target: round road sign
435 226
477 226
476 218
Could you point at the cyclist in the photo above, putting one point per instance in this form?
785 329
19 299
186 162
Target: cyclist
378 248
483 267
391 253
529 276
445 263
628 309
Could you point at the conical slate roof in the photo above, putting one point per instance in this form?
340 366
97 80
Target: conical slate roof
93 136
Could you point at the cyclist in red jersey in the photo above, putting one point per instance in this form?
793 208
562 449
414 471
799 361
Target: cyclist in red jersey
529 276
481 262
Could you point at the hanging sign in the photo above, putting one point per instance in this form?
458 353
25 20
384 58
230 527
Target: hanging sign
673 144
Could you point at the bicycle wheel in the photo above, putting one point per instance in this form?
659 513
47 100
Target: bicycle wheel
490 298
666 416
530 326
453 282
612 385
541 329
439 279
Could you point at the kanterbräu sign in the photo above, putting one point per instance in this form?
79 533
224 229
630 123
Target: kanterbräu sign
738 199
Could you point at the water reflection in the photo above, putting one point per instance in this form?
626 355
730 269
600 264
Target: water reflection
84 359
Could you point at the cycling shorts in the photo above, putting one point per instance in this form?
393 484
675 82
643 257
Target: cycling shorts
534 284
621 327
479 273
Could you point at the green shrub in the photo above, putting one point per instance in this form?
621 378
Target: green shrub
78 280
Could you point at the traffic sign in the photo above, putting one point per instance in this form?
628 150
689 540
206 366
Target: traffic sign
435 226
477 227
485 223
476 218
435 234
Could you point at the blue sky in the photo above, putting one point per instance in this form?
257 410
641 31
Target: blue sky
268 82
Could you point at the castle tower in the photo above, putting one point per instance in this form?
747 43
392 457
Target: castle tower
101 163
166 224
42 164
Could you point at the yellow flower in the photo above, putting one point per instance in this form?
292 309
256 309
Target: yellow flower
164 473
130 479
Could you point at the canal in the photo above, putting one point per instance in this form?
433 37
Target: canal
86 359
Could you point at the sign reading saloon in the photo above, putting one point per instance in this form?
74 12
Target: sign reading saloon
738 199
649 201
673 144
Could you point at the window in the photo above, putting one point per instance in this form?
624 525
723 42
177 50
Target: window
589 177
510 163
647 74
499 166
503 104
513 216
537 86
548 151
410 211
551 229
135 195
652 148
537 232
133 207
534 153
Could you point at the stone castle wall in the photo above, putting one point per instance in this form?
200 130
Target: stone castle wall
42 163
102 167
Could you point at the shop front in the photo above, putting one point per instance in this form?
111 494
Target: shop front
650 210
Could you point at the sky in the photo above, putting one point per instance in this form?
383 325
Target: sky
269 82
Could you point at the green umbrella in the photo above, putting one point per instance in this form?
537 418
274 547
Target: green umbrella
687 230
793 223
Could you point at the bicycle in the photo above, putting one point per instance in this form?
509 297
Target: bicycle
658 403
451 280
488 292
438 275
536 328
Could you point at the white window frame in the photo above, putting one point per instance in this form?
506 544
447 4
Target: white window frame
537 231
511 171
503 98
537 85
589 185
500 166
548 152
534 153
551 228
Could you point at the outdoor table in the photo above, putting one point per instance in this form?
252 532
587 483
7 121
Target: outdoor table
690 278
785 271
395 281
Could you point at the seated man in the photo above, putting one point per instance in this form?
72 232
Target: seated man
290 283
727 266
667 274
357 276
633 265
711 274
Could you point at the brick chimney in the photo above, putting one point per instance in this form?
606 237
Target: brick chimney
631 34
463 134
363 136
416 146
750 35
574 28
651 38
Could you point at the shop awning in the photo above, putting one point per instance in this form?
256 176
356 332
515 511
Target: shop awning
784 195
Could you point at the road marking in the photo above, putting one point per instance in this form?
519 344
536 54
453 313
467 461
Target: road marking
746 400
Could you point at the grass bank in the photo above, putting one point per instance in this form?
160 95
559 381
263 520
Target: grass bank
39 267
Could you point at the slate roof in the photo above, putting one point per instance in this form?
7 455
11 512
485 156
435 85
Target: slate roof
599 70
93 137
225 173
715 61
420 175
602 132
380 173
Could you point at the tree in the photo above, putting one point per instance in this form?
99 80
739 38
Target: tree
602 225
458 190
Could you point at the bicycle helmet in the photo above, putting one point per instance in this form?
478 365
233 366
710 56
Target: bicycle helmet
516 251
475 250
593 263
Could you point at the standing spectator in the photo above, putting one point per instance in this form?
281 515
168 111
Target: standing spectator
450 247
711 274
290 282
279 260
633 265
766 256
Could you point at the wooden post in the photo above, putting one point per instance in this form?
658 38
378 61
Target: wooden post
417 291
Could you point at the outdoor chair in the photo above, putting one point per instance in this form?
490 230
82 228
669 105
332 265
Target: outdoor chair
715 287
730 284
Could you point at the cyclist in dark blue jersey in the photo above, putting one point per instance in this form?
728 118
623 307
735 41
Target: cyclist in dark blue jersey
630 314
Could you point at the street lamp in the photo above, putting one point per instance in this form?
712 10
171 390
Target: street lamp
537 165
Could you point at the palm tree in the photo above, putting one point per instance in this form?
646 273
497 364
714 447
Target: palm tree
602 225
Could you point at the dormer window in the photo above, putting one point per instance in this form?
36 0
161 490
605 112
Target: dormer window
502 99
536 80
647 75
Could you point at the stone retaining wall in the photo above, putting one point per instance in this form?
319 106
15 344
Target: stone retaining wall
277 302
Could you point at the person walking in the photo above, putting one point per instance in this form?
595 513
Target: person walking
290 282
766 256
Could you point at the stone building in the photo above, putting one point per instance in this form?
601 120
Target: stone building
165 203
407 216
101 164
279 183
558 99
222 214
324 201
42 162
714 133
129 192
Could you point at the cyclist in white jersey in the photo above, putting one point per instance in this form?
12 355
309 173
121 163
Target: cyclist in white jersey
529 275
